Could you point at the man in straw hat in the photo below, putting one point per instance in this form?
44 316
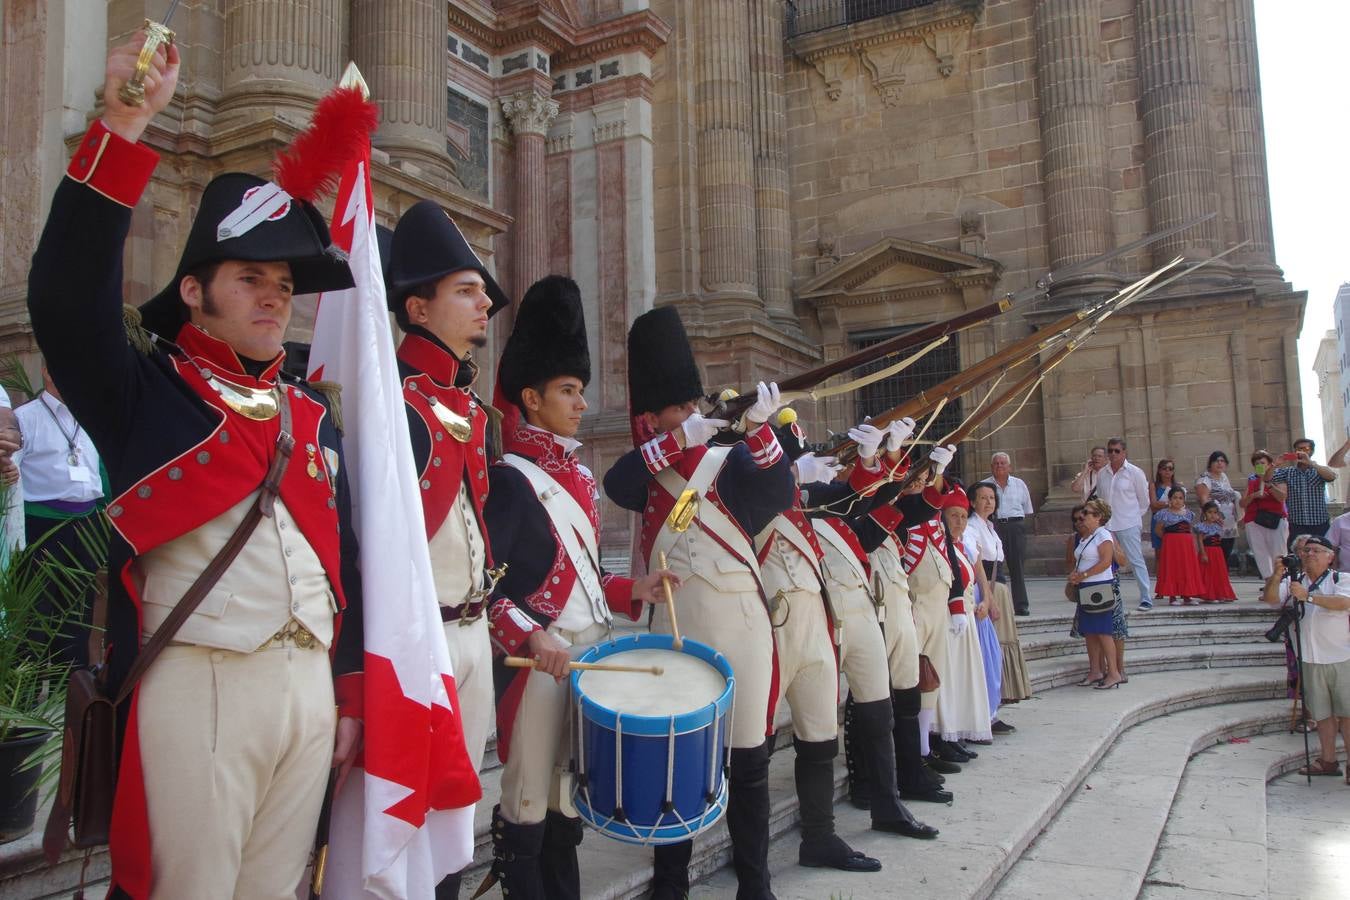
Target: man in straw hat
555 602
737 491
229 734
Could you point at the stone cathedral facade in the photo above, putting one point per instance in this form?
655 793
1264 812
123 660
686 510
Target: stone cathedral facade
799 178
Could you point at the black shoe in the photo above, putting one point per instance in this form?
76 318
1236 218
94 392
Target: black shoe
961 745
1001 727
1022 612
908 827
941 765
832 853
947 751
928 795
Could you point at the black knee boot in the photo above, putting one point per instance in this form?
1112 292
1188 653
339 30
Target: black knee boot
515 858
448 889
670 880
558 858
854 757
874 722
821 847
748 821
914 779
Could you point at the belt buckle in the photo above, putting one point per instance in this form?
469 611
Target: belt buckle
295 632
479 597
473 610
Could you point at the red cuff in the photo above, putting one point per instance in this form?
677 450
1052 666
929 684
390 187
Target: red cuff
863 481
888 517
350 692
957 606
509 628
619 596
764 447
933 497
661 452
112 165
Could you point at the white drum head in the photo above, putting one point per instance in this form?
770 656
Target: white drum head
687 683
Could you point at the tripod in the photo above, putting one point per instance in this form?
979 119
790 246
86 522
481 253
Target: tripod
1302 693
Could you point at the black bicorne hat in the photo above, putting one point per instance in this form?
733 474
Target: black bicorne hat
427 246
790 435
661 367
548 340
244 217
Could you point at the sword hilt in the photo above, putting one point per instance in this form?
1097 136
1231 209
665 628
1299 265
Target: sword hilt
156 34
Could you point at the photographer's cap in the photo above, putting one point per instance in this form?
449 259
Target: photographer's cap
1320 542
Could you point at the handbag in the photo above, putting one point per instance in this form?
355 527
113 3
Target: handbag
1096 598
928 676
1267 519
88 781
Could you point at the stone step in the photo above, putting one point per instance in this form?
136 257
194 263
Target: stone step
1047 646
1066 671
1307 855
1046 617
1101 843
1011 793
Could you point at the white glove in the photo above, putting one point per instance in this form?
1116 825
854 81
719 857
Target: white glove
698 430
897 431
812 468
941 456
958 624
868 438
768 403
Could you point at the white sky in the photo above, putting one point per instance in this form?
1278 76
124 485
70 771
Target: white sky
1304 96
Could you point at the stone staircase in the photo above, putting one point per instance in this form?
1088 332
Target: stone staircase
1155 789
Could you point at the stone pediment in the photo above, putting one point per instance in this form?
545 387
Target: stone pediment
899 269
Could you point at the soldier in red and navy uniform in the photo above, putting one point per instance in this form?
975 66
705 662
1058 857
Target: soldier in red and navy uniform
442 297
738 490
555 601
228 738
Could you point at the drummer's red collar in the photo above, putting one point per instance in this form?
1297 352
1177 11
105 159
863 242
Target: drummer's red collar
196 343
426 353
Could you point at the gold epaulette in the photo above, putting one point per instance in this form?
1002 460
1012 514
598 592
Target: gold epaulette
332 392
137 336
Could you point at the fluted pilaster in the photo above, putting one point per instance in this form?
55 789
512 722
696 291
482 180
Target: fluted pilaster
400 47
773 230
1178 158
287 49
726 179
529 114
1251 187
1073 129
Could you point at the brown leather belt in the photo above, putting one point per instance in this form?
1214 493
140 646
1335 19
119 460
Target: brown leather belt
465 613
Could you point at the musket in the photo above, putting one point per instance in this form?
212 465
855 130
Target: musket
734 407
156 33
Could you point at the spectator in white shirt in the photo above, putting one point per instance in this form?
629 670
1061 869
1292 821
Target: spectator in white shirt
1014 505
1085 482
63 492
1124 486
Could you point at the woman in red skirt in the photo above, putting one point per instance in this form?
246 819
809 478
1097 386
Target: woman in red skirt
1179 574
1218 589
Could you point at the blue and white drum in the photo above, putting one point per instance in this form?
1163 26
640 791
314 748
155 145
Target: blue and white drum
650 750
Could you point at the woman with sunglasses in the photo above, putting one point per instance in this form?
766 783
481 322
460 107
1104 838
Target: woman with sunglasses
1164 479
1092 565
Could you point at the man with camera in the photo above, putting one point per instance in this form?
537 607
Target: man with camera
1316 603
1306 482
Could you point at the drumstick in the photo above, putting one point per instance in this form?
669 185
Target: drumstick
670 605
524 662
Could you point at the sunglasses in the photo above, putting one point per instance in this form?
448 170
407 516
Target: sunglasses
1168 468
1114 450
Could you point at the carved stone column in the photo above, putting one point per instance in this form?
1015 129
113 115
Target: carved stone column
400 47
726 159
1251 188
290 52
774 229
529 115
1073 129
1178 158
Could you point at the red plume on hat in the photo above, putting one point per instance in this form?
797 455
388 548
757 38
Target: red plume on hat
310 168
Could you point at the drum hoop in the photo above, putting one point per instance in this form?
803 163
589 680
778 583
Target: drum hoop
670 833
687 722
